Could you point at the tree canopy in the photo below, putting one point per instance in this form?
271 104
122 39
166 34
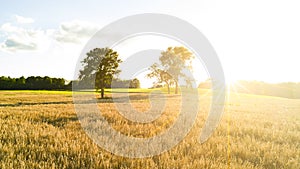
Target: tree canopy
101 64
172 63
32 83
161 75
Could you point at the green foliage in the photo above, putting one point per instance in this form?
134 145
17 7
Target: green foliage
115 83
135 83
118 83
172 63
161 75
100 64
32 83
175 59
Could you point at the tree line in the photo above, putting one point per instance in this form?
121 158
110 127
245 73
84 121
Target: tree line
287 90
32 83
115 83
49 83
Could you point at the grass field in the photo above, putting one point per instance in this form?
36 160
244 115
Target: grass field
40 129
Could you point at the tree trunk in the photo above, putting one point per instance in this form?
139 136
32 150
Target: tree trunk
176 88
168 88
102 93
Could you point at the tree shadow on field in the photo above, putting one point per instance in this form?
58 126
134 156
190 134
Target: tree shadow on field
33 103
55 121
117 98
133 97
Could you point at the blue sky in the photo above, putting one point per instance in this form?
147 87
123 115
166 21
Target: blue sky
49 14
255 40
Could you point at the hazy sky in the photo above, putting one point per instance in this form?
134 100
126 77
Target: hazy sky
255 40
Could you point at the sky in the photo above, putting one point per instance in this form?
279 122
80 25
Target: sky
254 40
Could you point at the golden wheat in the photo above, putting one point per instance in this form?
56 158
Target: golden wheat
40 129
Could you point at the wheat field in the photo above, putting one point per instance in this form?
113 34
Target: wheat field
40 129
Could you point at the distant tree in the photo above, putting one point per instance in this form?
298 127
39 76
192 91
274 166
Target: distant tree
207 84
135 83
58 83
119 83
47 83
31 83
6 83
20 83
189 82
101 64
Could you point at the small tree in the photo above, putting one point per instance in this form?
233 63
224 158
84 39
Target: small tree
100 64
135 83
160 75
189 82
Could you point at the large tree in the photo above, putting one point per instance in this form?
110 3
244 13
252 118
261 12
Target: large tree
175 60
100 64
172 61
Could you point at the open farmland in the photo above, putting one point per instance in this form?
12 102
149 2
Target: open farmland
40 129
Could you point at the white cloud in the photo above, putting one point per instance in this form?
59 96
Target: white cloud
14 43
21 39
22 19
75 31
18 38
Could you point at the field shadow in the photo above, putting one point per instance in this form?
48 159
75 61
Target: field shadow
132 97
122 97
33 103
56 122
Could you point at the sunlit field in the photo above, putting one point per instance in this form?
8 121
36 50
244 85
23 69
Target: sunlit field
40 129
